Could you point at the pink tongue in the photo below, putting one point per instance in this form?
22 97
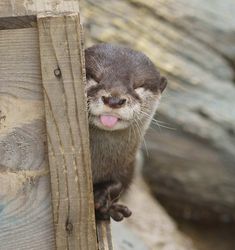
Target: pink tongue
108 120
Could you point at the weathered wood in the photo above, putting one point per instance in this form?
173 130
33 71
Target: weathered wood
25 199
62 65
17 22
104 235
33 7
22 13
193 44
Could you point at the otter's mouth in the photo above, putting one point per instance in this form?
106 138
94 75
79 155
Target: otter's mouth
109 121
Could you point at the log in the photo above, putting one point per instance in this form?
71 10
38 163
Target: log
191 168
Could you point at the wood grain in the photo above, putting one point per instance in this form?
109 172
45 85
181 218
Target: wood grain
104 235
25 201
22 13
62 65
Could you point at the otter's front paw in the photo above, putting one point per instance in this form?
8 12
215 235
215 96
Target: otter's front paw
106 195
102 199
116 211
102 203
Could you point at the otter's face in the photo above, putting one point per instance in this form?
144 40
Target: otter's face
123 87
115 108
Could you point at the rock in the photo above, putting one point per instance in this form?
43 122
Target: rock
192 180
190 169
149 227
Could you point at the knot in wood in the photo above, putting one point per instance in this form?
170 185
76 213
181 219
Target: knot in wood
69 227
57 72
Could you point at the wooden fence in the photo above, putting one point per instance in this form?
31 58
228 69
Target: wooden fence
44 137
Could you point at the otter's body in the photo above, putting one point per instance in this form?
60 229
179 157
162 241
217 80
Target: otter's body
123 89
114 153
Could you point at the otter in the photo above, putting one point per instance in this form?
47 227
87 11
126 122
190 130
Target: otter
123 91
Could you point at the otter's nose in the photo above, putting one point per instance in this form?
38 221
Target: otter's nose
113 102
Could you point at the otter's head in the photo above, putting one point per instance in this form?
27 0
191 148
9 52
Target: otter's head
123 87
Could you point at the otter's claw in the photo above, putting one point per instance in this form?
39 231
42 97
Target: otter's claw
106 195
118 212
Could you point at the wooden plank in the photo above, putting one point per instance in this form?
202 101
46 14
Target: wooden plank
22 13
17 22
62 65
25 200
104 235
11 8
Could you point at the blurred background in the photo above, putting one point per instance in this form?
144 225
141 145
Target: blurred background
189 158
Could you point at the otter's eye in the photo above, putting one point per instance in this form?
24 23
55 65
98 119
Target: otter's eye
138 85
92 77
122 101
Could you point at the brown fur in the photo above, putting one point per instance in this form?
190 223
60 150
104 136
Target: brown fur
113 155
118 72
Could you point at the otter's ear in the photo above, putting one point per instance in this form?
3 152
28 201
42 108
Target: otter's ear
163 83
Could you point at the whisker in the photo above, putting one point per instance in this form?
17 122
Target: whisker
157 122
141 136
162 126
152 120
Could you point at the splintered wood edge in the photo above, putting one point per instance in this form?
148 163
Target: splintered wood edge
104 235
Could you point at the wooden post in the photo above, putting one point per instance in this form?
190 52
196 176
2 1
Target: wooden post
67 131
104 235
